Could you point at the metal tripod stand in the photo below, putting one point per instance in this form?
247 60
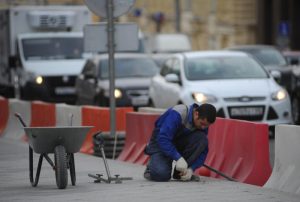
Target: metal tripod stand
99 142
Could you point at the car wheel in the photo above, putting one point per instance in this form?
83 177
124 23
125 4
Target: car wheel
295 110
101 101
151 104
77 101
271 132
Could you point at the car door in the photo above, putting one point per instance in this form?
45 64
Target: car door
163 93
172 89
86 84
157 86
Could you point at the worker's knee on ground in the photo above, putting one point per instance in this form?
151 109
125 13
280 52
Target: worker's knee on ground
161 176
160 172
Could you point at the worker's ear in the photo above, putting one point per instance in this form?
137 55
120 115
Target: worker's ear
197 114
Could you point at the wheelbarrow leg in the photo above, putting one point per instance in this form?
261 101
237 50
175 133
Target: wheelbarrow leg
34 182
72 169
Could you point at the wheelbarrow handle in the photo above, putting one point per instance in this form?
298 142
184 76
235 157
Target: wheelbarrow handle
20 119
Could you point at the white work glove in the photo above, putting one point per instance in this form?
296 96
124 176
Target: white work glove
181 165
187 175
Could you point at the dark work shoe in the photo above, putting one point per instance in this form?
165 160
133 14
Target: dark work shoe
147 174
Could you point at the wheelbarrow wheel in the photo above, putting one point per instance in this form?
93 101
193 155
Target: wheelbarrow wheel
61 170
72 169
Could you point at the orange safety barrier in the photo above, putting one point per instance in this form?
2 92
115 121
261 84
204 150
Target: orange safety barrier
239 149
4 113
42 114
139 128
99 117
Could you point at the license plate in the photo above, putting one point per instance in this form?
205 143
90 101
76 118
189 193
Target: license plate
141 100
65 90
246 111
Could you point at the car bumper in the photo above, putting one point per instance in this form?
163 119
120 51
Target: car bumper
274 112
50 92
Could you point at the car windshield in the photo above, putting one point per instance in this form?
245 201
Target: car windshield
53 48
268 56
129 67
206 68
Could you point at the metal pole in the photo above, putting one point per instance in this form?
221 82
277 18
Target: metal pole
177 15
111 51
212 25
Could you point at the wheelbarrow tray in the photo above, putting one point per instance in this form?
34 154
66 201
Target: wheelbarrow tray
45 139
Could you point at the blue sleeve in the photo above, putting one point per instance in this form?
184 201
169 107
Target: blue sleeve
166 134
200 161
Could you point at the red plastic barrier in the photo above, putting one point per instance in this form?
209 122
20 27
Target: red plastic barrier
42 114
99 117
4 113
139 128
239 149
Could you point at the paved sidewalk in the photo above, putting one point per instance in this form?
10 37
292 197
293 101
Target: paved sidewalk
15 184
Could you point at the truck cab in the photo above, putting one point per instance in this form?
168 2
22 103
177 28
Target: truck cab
50 62
45 50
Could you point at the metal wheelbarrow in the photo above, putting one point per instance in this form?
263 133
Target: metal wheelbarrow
63 142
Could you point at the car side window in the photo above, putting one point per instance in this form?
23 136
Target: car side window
176 67
89 69
166 68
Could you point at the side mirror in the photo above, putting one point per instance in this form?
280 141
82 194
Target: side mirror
89 75
276 75
173 78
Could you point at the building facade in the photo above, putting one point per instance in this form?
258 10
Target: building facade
211 24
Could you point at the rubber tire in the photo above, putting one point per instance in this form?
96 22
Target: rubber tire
72 169
61 170
295 110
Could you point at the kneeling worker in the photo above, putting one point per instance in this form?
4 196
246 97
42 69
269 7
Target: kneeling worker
180 134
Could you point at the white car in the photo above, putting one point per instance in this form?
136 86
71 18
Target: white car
235 83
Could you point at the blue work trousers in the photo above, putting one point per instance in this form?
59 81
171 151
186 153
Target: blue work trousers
190 146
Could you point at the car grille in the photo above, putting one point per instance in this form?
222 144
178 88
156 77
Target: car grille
244 99
60 88
249 113
272 114
136 92
220 113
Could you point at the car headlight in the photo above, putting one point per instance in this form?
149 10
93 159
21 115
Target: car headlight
279 95
39 80
118 93
202 97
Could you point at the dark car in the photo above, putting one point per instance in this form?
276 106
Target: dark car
274 61
132 78
292 57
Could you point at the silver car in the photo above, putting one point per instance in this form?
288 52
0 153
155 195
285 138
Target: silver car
132 78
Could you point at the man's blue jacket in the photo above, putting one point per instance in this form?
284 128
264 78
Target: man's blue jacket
176 121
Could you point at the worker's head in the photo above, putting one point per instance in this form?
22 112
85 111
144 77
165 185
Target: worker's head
204 115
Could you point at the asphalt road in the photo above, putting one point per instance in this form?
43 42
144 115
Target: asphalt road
15 185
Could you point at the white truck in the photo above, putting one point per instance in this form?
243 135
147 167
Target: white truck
41 51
